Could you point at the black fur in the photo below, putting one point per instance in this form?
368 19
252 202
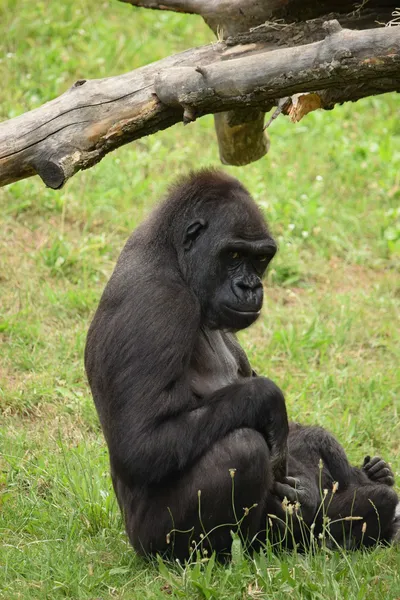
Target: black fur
174 390
364 492
178 401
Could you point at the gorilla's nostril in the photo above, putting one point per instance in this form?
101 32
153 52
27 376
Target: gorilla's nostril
241 287
246 286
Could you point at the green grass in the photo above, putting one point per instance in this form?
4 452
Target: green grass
329 334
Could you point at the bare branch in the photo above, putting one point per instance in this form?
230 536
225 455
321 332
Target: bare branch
77 129
235 16
183 6
275 24
343 57
232 16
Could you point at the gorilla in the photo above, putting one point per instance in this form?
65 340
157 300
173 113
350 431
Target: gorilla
197 442
174 390
359 504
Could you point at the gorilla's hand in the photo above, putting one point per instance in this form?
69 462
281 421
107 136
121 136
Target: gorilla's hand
301 491
378 470
290 488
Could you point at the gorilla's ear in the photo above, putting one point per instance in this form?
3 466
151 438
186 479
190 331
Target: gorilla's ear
192 232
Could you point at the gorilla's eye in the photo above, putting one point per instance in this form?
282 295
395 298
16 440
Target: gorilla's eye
234 255
262 258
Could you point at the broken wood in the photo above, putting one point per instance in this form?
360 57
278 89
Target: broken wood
241 137
76 130
230 17
274 23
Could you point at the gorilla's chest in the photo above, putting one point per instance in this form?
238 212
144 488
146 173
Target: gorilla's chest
214 363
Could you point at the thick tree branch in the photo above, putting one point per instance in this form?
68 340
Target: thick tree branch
77 129
344 56
267 20
184 6
230 15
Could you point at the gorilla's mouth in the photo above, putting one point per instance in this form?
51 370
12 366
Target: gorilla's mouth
242 311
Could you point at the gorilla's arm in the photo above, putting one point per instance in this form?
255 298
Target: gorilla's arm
166 446
154 425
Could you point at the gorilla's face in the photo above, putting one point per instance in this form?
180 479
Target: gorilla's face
225 263
238 298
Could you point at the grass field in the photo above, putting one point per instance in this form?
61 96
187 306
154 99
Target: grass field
329 334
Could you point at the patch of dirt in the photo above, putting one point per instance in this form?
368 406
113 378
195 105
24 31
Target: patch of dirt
340 278
17 243
45 421
344 277
8 377
285 296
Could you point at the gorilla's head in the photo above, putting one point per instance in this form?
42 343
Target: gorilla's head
223 247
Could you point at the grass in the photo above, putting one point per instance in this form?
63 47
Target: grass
329 334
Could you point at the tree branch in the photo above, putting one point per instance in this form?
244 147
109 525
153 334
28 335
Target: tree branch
230 15
250 21
77 129
344 56
183 6
235 16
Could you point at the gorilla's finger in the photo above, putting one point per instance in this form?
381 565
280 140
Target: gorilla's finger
366 461
292 481
381 465
388 480
372 462
285 491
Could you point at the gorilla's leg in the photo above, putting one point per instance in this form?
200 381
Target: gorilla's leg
176 505
375 503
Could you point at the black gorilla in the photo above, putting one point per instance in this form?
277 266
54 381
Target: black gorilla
174 390
178 402
323 482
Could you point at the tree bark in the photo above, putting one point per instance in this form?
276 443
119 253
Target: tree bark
94 117
344 56
230 17
241 136
246 140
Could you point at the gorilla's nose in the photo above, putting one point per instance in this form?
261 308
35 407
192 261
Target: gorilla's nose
248 292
